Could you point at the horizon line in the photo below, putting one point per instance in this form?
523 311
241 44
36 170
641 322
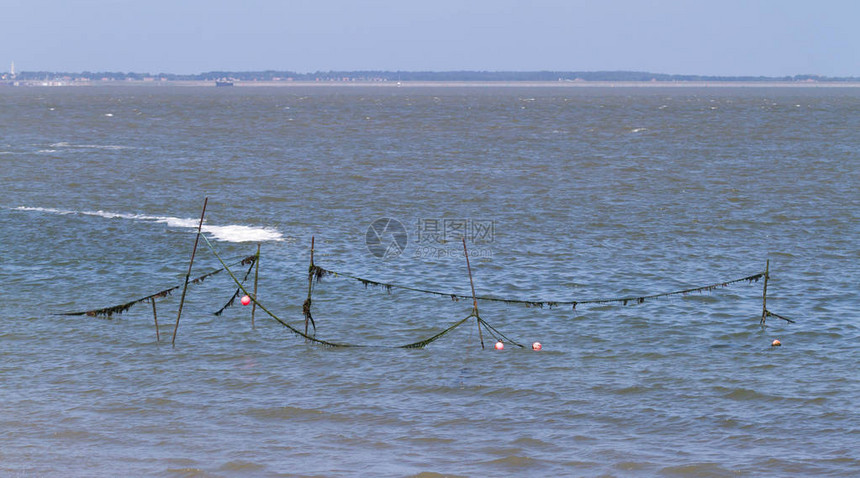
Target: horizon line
363 72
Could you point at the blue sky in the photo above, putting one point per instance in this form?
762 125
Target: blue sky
709 37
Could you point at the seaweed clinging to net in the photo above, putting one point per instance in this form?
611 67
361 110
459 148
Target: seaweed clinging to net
537 303
306 313
771 314
109 312
423 343
316 273
248 260
228 304
202 278
373 283
496 334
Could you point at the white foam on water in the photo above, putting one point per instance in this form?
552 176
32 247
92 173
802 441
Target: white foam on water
113 147
43 209
237 233
229 233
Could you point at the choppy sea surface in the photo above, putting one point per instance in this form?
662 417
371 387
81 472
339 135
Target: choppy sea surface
565 194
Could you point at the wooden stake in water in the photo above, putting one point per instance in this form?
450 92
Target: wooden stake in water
764 294
256 277
155 318
310 282
188 274
474 298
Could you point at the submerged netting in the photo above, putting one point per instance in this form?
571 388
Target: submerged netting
319 273
316 275
109 312
238 290
312 338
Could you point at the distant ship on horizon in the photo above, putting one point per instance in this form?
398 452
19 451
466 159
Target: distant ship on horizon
223 83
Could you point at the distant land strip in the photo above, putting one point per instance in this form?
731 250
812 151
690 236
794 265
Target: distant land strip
405 76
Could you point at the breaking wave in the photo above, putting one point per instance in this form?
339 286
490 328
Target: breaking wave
228 233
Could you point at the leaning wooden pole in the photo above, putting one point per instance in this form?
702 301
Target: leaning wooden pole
155 318
256 278
764 294
310 287
188 274
474 297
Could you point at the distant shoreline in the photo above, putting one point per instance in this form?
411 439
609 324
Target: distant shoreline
441 84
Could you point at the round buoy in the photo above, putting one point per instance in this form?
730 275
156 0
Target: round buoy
500 345
246 300
776 343
536 346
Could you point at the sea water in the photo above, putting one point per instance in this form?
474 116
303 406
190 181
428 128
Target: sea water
561 193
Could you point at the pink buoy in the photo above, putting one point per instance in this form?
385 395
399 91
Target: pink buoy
500 345
246 300
536 346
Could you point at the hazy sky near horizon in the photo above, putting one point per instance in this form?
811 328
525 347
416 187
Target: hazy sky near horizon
708 37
